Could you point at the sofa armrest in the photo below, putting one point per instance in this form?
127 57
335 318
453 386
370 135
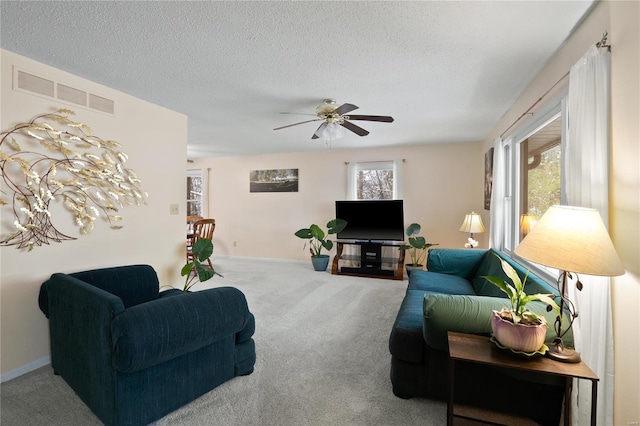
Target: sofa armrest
460 262
157 331
463 314
472 315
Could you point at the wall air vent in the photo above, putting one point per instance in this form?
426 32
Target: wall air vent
72 95
101 104
33 84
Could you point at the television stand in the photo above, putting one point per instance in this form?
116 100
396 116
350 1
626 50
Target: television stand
370 260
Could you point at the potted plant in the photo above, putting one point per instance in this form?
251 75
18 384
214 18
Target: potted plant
316 237
202 250
517 327
417 248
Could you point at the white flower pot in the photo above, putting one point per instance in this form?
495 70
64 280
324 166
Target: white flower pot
519 337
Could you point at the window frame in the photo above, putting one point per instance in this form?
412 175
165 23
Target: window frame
355 168
203 201
513 196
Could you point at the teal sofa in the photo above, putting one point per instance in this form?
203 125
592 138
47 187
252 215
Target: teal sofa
452 295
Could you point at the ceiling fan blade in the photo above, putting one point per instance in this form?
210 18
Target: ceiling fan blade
295 124
318 132
383 118
345 108
355 129
299 113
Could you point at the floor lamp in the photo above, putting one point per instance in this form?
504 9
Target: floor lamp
573 240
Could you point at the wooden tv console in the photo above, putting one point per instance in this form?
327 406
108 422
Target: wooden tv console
370 260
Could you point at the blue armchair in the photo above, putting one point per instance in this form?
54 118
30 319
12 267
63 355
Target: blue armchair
132 353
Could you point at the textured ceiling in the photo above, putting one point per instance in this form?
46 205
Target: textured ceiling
446 71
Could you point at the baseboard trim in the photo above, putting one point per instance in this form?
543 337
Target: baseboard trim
9 375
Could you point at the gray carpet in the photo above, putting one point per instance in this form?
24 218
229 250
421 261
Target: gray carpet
323 359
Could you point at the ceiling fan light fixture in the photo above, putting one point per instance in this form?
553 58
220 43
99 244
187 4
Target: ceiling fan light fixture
332 131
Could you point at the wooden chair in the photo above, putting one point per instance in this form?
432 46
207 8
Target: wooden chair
190 221
201 229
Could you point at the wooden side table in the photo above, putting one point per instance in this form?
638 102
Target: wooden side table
479 349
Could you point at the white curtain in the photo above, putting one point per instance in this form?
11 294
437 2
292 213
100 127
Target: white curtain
397 179
586 171
498 193
352 181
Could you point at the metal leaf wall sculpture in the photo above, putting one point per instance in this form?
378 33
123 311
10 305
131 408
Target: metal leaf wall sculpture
52 158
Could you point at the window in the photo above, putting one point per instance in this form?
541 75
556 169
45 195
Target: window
533 158
378 180
195 193
540 176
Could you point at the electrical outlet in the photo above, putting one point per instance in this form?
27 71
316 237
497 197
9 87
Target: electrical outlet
174 209
632 424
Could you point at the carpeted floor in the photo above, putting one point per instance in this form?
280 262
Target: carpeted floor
323 359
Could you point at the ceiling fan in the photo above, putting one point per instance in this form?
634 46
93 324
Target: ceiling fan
333 116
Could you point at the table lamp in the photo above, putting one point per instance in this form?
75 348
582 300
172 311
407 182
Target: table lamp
573 240
527 223
472 223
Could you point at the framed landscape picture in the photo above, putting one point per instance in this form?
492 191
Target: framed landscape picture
276 180
488 178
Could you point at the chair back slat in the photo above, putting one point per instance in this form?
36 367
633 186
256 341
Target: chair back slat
203 229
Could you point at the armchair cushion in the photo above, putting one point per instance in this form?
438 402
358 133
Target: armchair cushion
163 329
134 284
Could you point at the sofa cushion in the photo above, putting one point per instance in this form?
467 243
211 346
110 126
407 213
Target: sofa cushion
460 262
439 283
491 266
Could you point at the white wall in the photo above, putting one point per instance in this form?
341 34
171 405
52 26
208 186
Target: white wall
155 140
622 21
442 182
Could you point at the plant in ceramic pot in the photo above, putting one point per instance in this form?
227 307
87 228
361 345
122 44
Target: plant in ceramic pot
417 247
202 250
516 327
317 241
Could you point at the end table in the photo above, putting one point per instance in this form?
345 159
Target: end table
479 349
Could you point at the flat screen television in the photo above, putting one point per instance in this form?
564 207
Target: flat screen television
371 220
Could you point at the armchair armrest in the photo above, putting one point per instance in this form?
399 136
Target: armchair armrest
154 332
80 318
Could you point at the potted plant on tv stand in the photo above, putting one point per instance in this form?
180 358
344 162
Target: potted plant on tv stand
317 241
417 248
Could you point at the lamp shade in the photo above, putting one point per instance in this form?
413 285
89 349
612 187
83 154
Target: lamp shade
473 224
527 222
572 239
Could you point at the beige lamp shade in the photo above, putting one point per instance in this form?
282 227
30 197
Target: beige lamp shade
473 224
572 239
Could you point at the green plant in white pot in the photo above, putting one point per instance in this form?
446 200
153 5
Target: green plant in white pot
317 241
417 247
516 327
